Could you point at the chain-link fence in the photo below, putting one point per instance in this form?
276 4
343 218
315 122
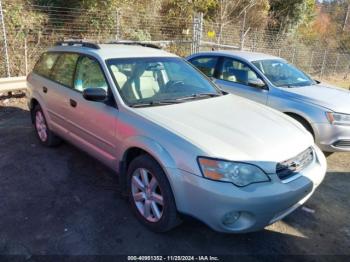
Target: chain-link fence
30 29
313 58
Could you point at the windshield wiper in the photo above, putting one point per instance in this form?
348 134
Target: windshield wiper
154 103
200 95
173 101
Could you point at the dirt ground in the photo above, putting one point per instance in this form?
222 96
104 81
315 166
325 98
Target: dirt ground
61 201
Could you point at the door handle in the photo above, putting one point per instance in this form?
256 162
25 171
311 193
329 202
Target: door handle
73 103
45 89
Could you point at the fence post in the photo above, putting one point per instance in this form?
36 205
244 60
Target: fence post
293 57
336 64
7 60
197 32
117 24
311 59
255 40
323 63
243 34
26 55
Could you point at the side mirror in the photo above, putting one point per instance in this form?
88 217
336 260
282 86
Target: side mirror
95 94
256 83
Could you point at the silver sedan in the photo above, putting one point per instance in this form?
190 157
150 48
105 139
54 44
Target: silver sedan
322 109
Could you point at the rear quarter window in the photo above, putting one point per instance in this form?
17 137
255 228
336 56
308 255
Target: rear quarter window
63 71
44 65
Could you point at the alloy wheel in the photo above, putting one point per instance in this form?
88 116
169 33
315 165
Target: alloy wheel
147 195
40 125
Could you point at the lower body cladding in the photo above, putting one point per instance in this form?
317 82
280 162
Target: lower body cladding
227 208
332 138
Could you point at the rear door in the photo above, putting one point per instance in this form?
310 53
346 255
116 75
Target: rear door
58 89
92 124
234 77
40 85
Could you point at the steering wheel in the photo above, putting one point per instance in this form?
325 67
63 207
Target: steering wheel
172 85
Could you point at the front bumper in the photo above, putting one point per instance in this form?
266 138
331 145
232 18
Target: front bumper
258 205
332 138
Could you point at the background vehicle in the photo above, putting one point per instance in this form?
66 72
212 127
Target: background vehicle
177 142
322 109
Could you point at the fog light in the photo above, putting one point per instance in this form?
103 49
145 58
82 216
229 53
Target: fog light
230 218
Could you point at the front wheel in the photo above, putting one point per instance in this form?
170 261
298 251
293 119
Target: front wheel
150 195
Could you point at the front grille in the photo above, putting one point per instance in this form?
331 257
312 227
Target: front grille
290 167
342 143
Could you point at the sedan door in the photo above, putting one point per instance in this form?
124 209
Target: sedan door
237 77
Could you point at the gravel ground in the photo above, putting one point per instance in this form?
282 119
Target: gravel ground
61 201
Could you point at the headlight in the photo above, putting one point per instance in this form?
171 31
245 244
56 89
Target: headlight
338 119
240 174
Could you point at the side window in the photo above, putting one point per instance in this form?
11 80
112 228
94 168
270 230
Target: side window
44 65
63 71
205 64
237 72
89 75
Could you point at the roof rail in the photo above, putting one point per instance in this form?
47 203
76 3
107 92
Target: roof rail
144 44
78 43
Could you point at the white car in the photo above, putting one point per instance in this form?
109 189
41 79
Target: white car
178 144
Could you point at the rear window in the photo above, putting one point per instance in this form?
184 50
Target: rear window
44 65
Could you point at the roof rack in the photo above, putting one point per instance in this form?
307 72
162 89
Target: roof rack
144 44
78 43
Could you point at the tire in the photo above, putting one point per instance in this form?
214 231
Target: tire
304 123
327 154
44 134
146 201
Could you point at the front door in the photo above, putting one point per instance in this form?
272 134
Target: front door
235 76
92 124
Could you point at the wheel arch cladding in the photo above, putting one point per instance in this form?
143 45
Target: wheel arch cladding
137 146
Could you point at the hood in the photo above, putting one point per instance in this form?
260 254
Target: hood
333 98
233 128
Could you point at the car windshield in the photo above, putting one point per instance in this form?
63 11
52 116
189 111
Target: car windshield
283 74
155 81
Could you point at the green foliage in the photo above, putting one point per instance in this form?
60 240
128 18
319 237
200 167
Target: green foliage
186 8
140 35
288 15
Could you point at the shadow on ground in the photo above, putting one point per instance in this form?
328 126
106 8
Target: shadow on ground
61 201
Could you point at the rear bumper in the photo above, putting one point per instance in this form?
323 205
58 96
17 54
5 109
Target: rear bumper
332 138
256 205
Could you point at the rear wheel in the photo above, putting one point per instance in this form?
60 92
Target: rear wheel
150 195
46 137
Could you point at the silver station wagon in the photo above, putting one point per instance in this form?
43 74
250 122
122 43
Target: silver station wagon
178 143
322 109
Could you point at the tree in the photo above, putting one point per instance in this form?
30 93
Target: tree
288 15
228 12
